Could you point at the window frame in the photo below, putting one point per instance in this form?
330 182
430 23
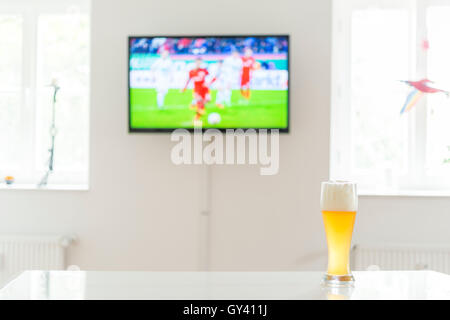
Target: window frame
30 11
414 180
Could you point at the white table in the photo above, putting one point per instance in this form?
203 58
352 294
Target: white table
223 285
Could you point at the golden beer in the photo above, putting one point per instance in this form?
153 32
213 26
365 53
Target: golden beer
339 205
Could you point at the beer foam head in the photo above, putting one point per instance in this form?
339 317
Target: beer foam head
339 196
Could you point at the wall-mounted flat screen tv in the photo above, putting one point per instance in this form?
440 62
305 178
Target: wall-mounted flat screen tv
224 82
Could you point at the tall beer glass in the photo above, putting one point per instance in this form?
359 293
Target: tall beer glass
339 203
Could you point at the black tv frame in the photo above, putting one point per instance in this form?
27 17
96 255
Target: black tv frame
166 130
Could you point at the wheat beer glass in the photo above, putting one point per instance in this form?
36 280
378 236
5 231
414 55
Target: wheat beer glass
339 203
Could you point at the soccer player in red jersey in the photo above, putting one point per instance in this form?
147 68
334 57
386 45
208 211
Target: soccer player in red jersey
248 63
201 90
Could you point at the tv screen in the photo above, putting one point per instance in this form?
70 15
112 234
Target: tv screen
224 82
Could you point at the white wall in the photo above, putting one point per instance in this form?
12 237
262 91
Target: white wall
142 212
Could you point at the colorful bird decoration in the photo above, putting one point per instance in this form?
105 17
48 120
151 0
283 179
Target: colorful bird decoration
420 88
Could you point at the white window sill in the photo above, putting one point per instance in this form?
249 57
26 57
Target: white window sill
404 193
64 187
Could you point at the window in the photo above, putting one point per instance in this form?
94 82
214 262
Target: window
40 42
376 45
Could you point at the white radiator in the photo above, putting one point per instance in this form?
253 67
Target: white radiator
19 253
401 257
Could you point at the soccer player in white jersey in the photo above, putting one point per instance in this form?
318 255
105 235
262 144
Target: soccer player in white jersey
162 69
229 73
223 97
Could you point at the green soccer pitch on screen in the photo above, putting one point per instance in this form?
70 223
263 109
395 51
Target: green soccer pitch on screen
223 82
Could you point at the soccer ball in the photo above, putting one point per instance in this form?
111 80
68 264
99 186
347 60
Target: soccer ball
214 118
